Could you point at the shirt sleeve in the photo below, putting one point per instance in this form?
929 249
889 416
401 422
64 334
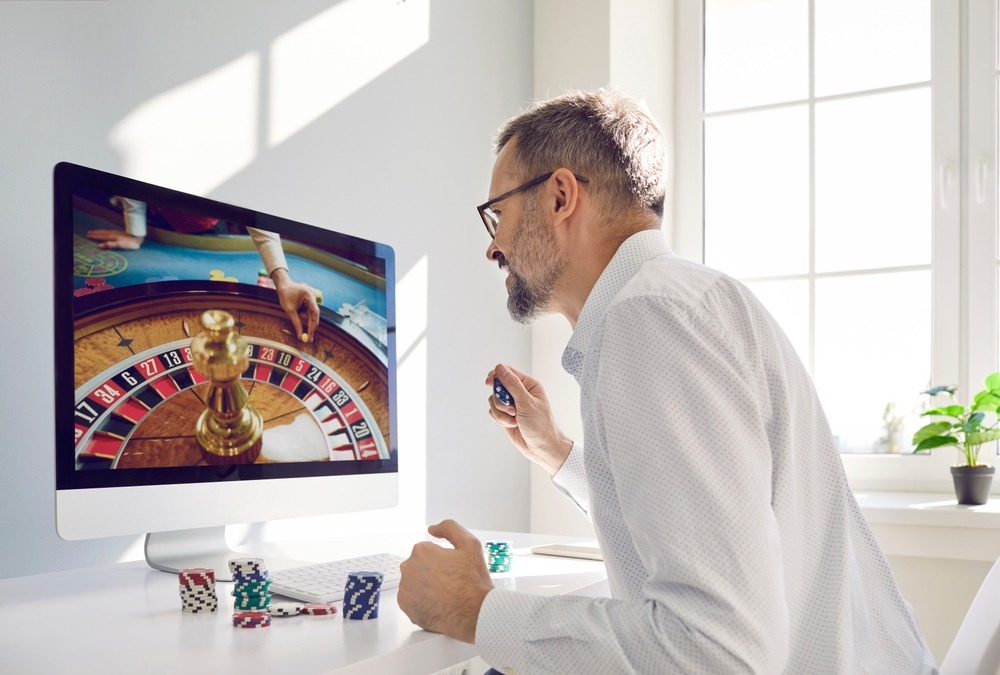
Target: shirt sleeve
134 214
269 247
571 479
679 410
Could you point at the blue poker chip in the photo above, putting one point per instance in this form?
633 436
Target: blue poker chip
251 577
501 392
361 614
365 576
361 596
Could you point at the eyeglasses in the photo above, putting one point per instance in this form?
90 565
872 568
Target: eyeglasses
490 217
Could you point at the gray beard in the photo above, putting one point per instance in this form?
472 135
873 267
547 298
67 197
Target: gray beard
526 303
523 304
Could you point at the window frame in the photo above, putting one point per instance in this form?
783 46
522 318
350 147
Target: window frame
964 123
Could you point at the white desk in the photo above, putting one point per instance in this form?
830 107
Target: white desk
126 618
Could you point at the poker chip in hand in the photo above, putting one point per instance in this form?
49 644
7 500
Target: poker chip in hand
501 392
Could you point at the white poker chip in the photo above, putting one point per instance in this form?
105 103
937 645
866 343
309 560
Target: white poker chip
285 608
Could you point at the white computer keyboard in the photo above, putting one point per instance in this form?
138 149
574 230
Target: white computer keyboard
324 582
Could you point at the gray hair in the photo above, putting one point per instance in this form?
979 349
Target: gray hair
603 135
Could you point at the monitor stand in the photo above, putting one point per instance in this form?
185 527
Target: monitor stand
202 547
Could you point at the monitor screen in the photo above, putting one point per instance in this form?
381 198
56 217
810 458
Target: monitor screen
187 396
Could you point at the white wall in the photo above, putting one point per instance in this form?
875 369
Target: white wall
940 592
387 136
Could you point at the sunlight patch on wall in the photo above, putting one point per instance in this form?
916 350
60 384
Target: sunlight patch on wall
321 62
411 391
411 394
195 136
412 290
411 306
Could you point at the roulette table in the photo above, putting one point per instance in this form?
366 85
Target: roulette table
137 393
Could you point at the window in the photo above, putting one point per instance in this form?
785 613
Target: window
833 156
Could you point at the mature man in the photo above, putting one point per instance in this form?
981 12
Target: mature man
731 539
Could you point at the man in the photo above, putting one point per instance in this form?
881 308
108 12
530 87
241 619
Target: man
731 539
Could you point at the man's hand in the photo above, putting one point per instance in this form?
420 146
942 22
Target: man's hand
115 239
442 589
295 298
529 423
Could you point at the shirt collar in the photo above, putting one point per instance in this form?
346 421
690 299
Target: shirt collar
627 260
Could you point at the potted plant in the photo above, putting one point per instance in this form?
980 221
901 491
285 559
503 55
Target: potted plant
967 428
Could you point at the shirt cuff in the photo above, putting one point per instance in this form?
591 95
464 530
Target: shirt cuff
501 630
134 214
571 479
269 247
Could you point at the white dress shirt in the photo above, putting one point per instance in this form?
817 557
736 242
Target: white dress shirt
732 541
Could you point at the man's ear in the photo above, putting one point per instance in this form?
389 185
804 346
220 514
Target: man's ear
564 189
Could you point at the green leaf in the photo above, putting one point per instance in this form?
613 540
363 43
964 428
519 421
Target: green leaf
993 382
948 410
972 425
986 400
934 391
932 430
935 442
982 437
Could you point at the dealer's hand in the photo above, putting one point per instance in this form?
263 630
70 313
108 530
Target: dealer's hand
115 239
442 589
299 302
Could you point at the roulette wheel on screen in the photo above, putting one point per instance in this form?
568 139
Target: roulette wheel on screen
139 396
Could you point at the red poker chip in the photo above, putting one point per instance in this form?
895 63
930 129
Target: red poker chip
196 572
318 608
251 614
251 619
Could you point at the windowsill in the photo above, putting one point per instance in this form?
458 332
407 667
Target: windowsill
932 525
926 508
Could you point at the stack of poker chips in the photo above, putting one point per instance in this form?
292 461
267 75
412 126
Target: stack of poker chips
251 592
499 555
252 619
197 589
361 595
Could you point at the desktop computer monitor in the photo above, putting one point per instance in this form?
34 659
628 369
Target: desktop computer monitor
184 399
